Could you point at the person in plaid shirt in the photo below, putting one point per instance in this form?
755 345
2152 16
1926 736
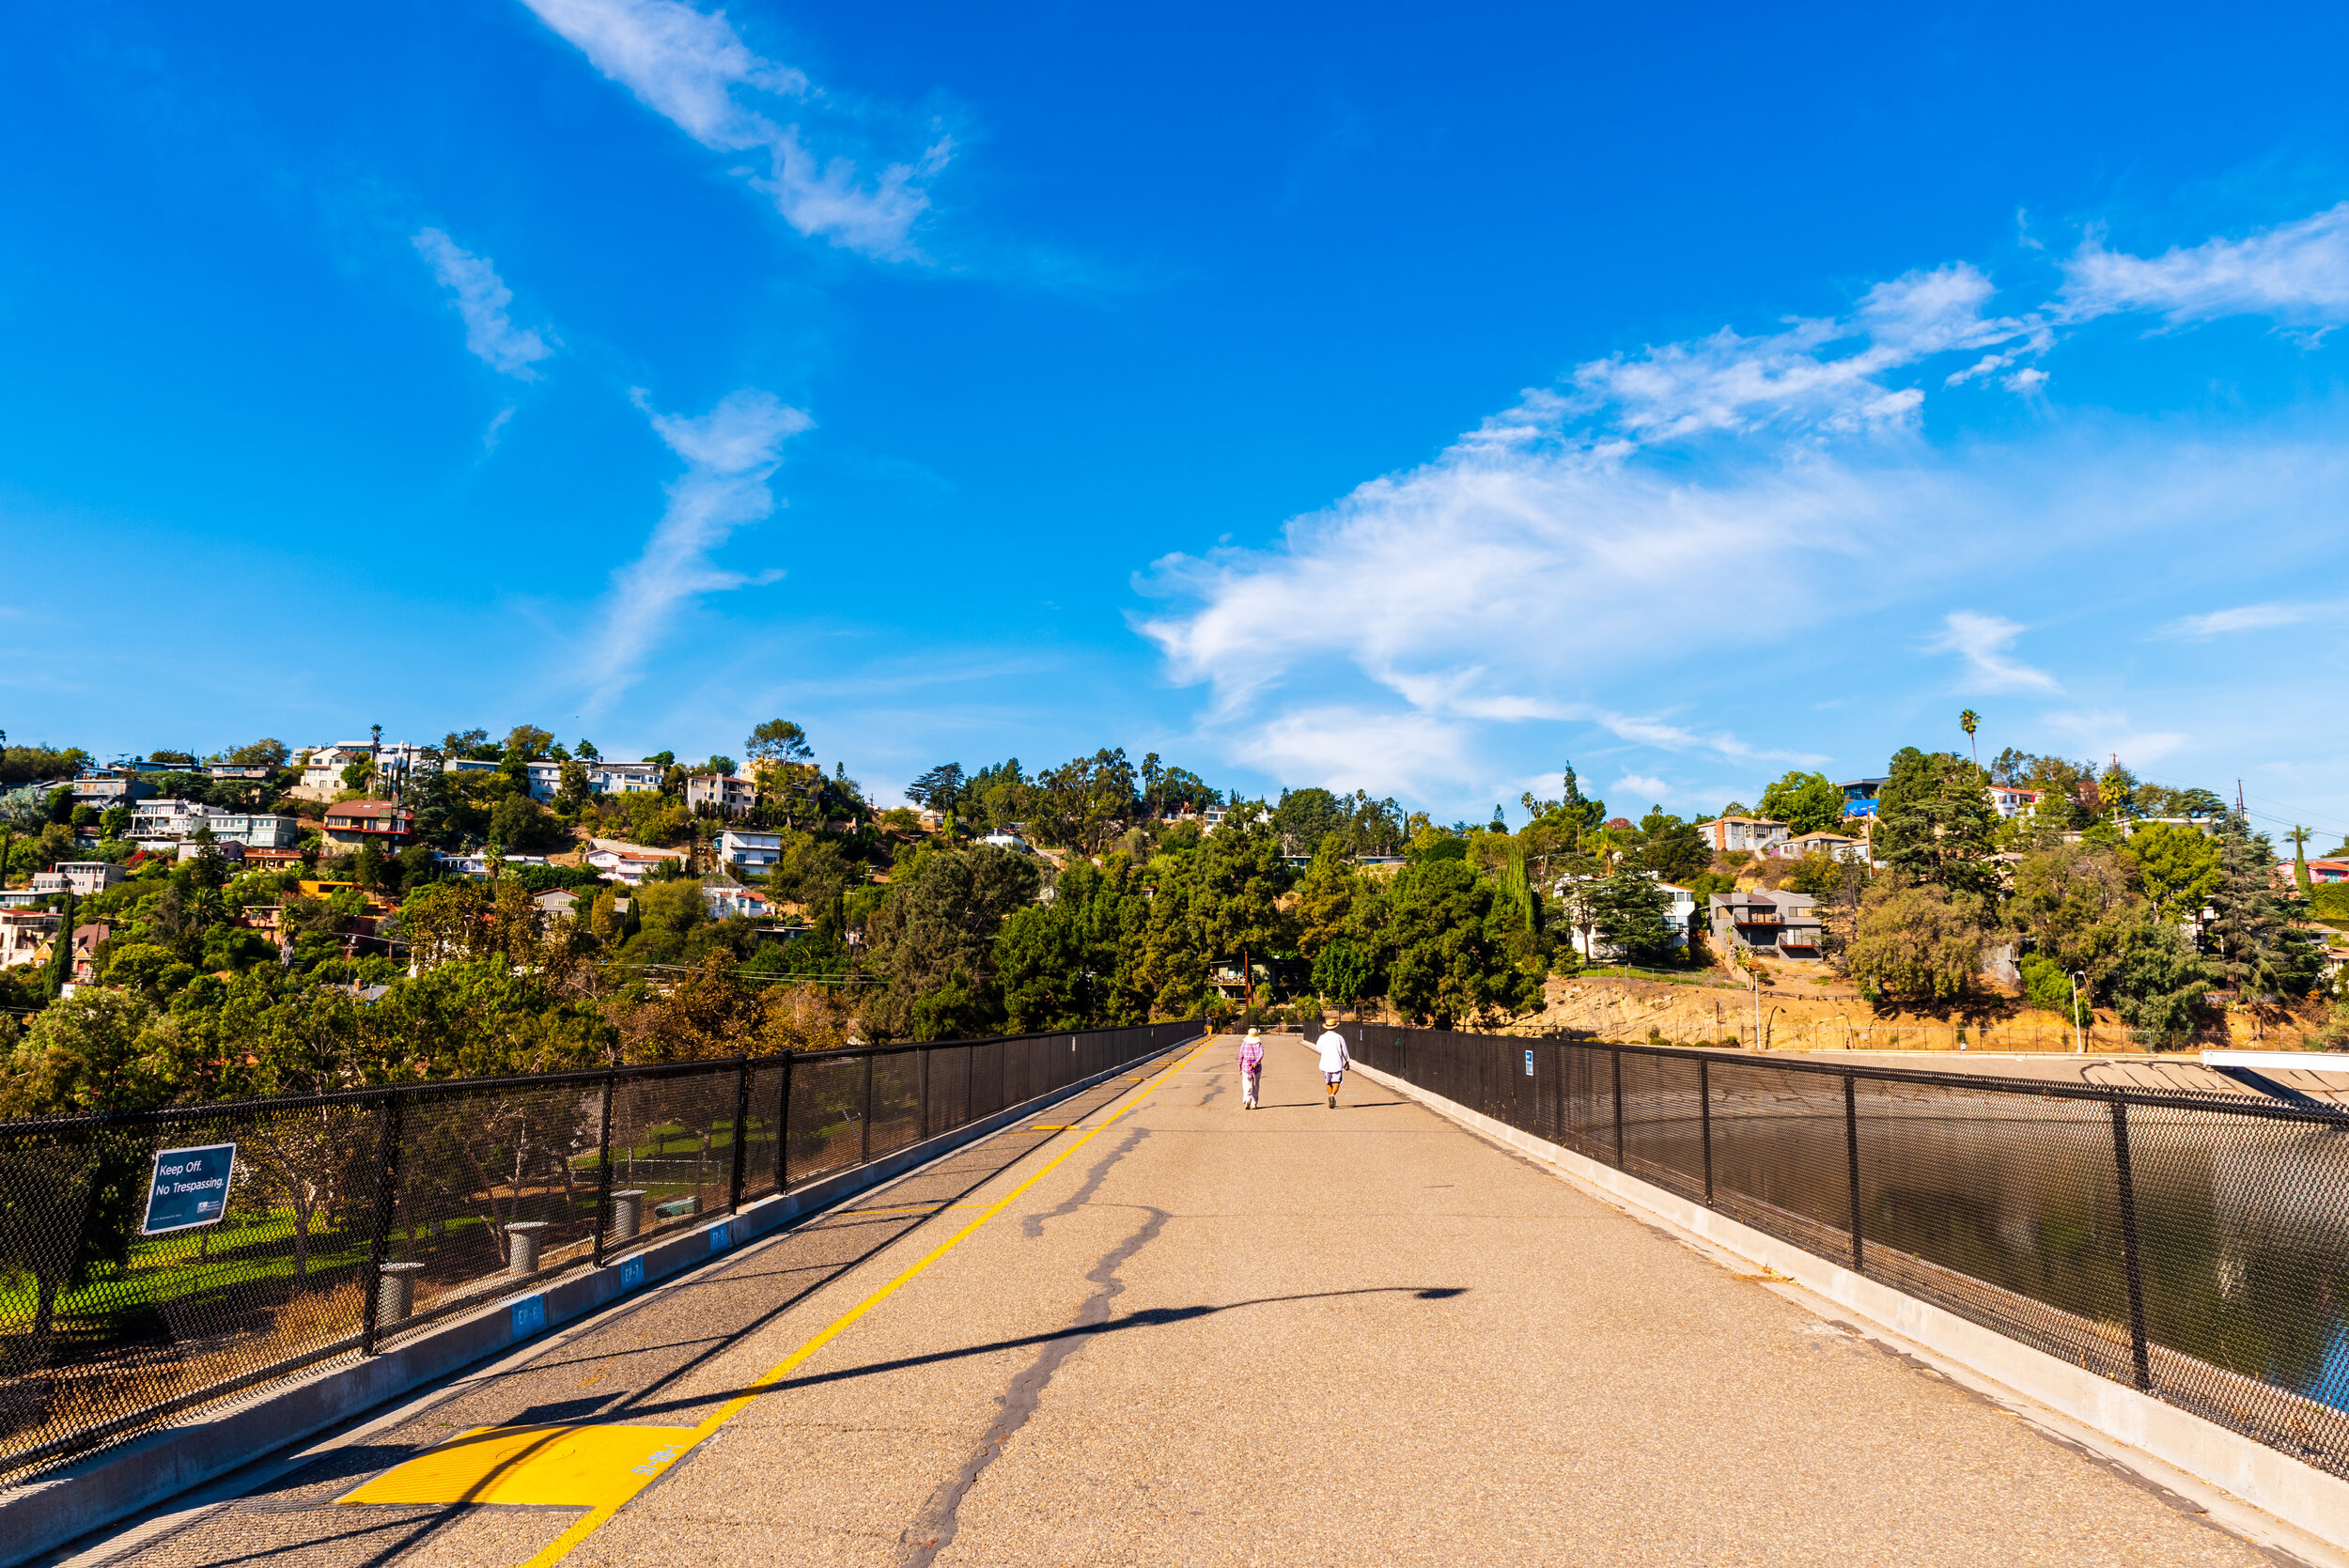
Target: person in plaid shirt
1250 1069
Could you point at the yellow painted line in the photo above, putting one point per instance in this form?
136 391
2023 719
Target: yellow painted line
1050 1126
566 1542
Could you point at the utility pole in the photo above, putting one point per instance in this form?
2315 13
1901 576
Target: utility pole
2078 1029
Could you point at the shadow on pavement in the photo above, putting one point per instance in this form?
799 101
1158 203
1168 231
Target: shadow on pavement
1153 1317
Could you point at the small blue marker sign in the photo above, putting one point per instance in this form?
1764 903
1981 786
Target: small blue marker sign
632 1273
722 1236
530 1315
1529 1063
189 1187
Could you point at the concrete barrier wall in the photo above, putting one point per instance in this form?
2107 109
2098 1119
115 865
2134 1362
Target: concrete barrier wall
2295 1493
108 1487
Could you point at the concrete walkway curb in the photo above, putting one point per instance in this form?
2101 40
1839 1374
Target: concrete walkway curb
2296 1493
110 1487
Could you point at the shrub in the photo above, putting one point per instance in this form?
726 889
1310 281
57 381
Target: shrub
1913 943
2046 984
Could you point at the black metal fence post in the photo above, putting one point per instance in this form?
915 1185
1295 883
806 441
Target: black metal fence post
1851 1152
865 1123
2140 1362
1618 1056
603 1171
927 1054
386 1204
1704 1121
741 1131
783 1129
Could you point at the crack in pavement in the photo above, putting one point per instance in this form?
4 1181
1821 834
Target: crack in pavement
1032 1226
930 1533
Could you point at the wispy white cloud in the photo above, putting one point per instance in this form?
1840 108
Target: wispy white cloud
1825 375
1344 748
2250 618
1410 582
1982 641
1640 787
2298 272
1697 515
2112 735
1672 737
729 453
481 298
695 70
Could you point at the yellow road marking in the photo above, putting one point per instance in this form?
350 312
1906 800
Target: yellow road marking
1049 1126
565 1543
573 1466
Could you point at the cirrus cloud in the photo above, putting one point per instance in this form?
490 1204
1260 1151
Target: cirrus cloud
482 300
694 69
729 453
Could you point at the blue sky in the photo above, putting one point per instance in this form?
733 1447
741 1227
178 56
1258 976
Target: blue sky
1389 398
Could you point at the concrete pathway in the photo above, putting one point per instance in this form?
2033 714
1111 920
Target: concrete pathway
1291 1336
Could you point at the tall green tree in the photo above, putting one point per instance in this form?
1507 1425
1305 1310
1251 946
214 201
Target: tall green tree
1086 802
1629 914
1176 958
2246 937
1670 848
1935 823
938 930
1911 943
777 740
2159 982
1449 955
2078 907
1806 802
1329 898
1242 880
937 787
2178 867
1304 817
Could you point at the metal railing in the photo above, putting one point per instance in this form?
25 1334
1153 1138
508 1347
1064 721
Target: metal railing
2191 1246
350 1219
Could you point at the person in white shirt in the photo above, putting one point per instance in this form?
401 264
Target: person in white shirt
1334 1061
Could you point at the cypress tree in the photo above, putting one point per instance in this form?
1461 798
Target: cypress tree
61 957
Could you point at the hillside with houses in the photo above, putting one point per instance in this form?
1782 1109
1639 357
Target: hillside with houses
274 919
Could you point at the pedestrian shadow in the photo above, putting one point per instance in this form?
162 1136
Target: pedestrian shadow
1149 1317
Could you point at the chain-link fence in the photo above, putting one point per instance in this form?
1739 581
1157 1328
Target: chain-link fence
2195 1246
152 1262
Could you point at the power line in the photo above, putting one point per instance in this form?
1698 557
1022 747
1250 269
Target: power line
2291 821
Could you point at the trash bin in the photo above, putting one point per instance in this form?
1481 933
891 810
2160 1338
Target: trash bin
395 1294
521 1246
627 1214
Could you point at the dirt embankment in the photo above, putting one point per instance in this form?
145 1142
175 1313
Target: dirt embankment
1803 1015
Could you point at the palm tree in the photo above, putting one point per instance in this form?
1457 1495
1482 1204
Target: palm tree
2300 837
1966 721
